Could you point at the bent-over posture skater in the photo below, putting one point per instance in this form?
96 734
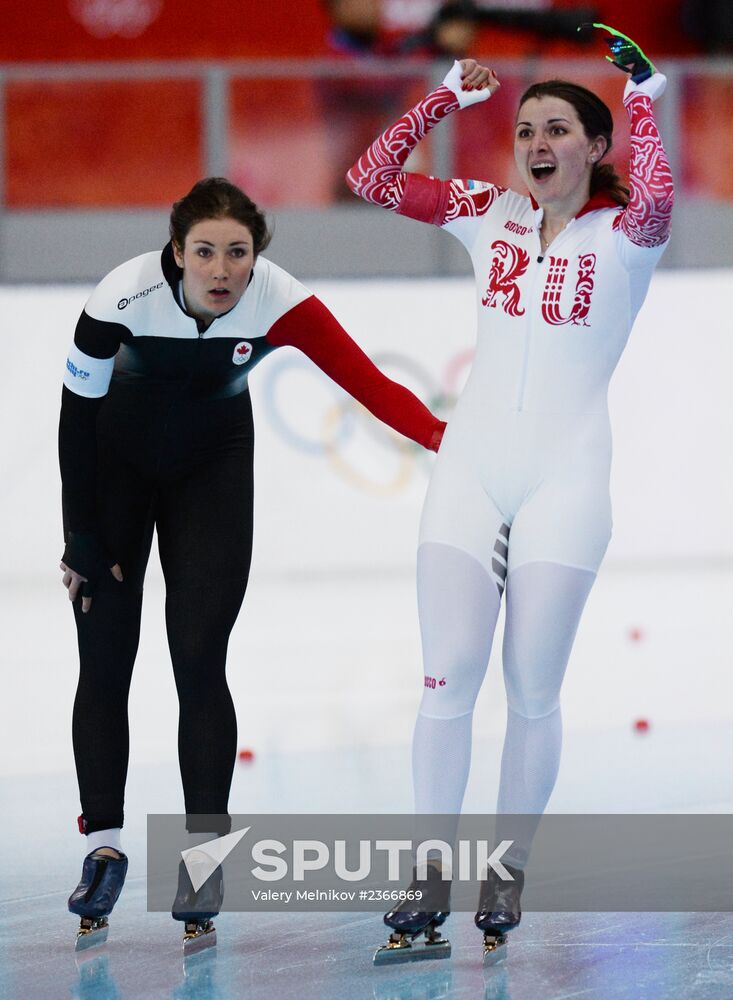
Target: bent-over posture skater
156 431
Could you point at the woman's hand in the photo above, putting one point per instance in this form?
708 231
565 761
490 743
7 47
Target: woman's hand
470 82
627 56
477 77
84 551
73 581
437 436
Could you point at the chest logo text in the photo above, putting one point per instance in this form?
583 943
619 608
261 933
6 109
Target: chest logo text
552 291
510 263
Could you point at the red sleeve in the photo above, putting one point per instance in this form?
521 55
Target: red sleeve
312 328
646 219
377 176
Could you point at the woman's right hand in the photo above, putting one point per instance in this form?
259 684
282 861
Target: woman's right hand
84 552
474 76
471 82
436 438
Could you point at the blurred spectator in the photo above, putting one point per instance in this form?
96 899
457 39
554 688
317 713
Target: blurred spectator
452 32
357 28
362 28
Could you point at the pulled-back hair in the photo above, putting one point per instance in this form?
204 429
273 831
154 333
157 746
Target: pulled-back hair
596 120
218 198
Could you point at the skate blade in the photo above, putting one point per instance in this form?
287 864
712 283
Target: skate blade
199 940
393 954
92 934
495 950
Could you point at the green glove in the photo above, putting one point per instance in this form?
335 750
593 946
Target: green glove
626 55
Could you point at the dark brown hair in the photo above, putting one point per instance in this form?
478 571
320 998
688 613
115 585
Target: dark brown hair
596 120
218 198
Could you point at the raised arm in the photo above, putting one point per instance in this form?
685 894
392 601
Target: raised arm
377 176
646 220
313 329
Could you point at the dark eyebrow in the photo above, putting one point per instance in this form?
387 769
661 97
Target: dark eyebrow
234 243
550 121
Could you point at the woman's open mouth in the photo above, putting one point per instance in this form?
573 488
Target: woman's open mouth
541 171
219 293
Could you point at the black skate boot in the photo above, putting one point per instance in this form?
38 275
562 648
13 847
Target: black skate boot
415 916
197 909
102 878
499 912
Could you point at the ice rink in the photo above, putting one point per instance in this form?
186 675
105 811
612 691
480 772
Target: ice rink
324 665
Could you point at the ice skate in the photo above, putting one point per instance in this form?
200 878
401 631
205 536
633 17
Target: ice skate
196 909
93 900
499 912
415 923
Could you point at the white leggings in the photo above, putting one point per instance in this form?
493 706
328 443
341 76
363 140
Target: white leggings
459 606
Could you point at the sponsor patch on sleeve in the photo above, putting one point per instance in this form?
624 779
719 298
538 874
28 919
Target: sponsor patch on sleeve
87 376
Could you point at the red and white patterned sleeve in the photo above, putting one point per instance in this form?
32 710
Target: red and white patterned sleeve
314 330
377 176
646 219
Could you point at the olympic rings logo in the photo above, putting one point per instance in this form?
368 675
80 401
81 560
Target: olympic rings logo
345 420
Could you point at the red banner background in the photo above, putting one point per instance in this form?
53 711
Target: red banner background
62 30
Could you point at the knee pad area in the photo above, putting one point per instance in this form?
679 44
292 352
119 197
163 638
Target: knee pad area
459 605
530 701
450 695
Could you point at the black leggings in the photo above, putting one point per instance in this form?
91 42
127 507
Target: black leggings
202 511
